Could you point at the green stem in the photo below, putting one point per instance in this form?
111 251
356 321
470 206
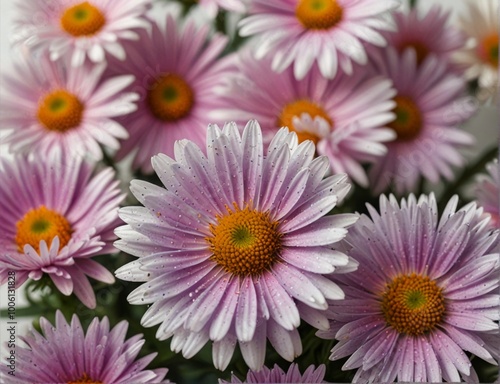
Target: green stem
413 3
467 173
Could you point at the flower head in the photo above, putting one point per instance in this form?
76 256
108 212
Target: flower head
425 292
67 354
480 57
487 192
176 71
80 29
277 375
55 108
56 217
344 117
328 32
430 104
236 247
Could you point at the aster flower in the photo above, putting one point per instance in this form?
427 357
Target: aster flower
65 354
53 108
487 192
328 32
425 292
236 247
56 217
277 375
80 29
480 57
429 33
176 71
430 104
344 117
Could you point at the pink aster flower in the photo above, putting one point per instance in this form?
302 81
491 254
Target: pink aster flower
487 192
176 71
344 117
480 57
80 29
426 34
424 293
430 104
67 354
236 248
277 375
55 218
51 108
329 32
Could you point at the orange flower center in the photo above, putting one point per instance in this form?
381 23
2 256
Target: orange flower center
420 48
297 108
488 50
82 19
60 111
170 98
408 123
318 14
245 242
413 304
85 379
42 224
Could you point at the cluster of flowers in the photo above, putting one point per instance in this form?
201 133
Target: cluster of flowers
249 231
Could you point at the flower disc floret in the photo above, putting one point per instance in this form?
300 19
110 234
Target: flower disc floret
60 111
170 98
85 379
42 224
83 19
319 14
245 242
408 121
413 304
488 50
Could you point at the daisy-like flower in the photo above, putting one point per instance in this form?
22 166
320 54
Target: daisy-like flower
425 292
49 108
344 117
176 71
329 32
426 34
80 29
55 218
236 247
487 192
430 104
67 354
480 57
277 375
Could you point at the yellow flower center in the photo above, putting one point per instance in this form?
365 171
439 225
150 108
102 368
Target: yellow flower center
420 48
42 224
488 50
245 242
85 379
82 19
297 108
413 304
318 14
170 98
60 111
408 121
